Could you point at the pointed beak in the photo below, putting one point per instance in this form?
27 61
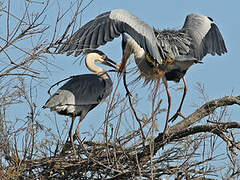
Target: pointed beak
110 63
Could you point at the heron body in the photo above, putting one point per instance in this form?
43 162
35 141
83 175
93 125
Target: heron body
173 71
82 93
198 37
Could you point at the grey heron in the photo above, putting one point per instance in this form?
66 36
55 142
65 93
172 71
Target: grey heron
198 37
83 92
168 53
174 71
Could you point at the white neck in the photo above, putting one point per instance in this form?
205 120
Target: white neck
90 63
136 49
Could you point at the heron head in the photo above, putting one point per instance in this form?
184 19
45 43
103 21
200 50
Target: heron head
108 62
100 57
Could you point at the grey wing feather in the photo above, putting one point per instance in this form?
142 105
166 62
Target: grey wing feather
175 42
87 89
206 37
213 41
110 25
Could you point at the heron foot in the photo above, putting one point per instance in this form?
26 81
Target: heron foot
178 113
81 142
164 137
68 145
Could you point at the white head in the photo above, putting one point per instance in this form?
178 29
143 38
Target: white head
93 56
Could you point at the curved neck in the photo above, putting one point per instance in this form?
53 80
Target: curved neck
134 48
90 63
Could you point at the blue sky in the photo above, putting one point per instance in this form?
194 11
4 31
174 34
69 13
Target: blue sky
219 74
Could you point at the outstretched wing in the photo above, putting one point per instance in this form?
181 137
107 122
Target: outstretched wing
206 37
110 25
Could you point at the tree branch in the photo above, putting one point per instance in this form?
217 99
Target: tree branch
180 129
202 112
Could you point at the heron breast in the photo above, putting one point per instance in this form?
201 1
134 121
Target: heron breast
175 75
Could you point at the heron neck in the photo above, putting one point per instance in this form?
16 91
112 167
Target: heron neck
136 49
90 63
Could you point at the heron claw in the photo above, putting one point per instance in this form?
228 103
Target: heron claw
68 145
178 113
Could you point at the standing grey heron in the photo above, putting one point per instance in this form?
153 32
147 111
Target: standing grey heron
83 92
164 55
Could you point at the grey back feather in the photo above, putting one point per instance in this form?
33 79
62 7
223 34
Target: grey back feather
198 37
175 42
81 90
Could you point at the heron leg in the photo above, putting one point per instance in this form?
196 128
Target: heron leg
83 114
66 145
179 113
169 104
71 134
78 129
125 84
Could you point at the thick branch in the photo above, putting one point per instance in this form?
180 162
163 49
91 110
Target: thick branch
180 129
203 111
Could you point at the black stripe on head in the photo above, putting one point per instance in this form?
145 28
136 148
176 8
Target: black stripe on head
210 18
87 51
